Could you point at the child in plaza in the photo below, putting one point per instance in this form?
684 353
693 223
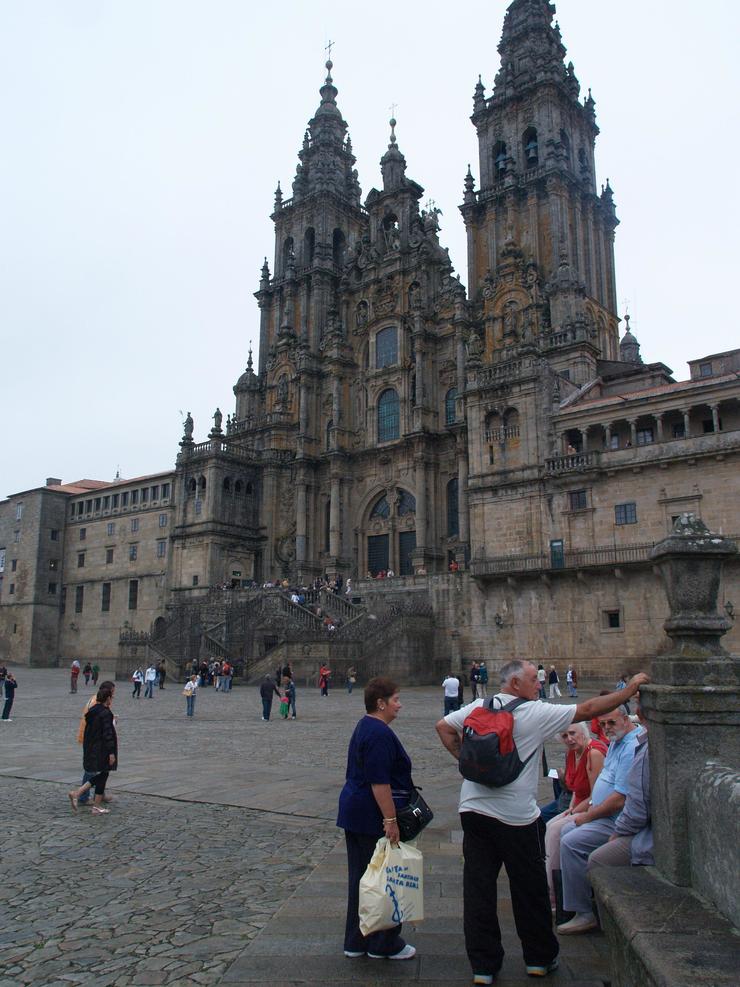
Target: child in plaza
290 693
284 706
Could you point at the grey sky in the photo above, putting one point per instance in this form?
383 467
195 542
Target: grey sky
143 140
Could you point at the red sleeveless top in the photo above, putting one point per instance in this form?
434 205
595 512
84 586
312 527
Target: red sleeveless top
576 775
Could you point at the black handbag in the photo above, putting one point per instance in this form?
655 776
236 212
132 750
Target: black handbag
412 818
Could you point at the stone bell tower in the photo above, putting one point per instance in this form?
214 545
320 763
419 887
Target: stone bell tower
540 235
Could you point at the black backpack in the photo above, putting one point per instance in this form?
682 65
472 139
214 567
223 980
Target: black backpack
488 754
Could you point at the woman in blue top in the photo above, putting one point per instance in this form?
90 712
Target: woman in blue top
378 779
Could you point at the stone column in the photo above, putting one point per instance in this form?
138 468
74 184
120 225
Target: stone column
301 516
659 428
633 431
686 422
462 495
421 505
608 436
693 703
303 408
334 509
715 416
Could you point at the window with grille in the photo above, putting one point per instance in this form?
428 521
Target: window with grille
133 594
79 598
386 347
450 399
381 508
577 500
453 515
625 513
105 598
406 503
389 416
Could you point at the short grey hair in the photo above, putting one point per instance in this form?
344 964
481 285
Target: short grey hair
512 668
581 726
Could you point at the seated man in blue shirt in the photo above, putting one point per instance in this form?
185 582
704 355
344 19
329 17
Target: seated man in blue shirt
591 829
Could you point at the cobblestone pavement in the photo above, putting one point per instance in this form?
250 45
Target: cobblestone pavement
217 822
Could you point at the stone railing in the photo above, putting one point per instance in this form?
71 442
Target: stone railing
573 463
501 434
603 555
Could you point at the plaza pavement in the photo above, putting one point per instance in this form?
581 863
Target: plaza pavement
220 862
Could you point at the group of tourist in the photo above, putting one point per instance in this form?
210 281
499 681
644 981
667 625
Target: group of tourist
90 673
154 675
286 693
606 820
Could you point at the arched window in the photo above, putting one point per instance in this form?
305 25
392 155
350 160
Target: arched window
238 487
389 417
406 503
499 159
249 490
450 399
381 508
309 244
192 486
453 516
338 247
227 485
202 483
531 147
386 347
287 251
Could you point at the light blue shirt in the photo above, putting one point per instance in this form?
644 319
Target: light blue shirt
614 774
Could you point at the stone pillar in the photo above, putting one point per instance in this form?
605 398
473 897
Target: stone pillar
301 516
715 416
334 510
633 431
584 440
303 408
659 428
693 703
421 505
608 436
462 495
686 422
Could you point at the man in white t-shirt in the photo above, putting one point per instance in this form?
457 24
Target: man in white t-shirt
503 826
451 686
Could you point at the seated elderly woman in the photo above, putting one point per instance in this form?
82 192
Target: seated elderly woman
583 763
378 778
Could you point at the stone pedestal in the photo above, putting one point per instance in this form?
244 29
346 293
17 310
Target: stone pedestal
692 705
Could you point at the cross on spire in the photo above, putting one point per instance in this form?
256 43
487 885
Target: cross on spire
329 48
393 107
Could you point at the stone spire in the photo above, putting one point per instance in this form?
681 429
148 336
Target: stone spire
326 158
393 163
531 50
629 348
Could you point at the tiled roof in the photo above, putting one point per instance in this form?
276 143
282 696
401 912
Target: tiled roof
661 390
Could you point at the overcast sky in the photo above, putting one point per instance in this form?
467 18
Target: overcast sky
143 140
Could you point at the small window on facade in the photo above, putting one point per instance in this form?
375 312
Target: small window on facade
386 347
625 513
577 500
195 580
111 527
165 491
612 619
133 553
114 501
83 534
124 499
105 598
133 594
18 512
2 560
707 426
109 556
16 537
389 423
98 502
54 534
52 589
88 506
155 492
144 495
11 589
106 503
450 399
53 565
14 565
134 524
679 430
161 549
79 598
134 497
162 520
644 436
705 369
80 560
198 506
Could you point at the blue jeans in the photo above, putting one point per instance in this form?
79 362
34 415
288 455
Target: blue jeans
190 700
571 689
266 707
86 776
149 690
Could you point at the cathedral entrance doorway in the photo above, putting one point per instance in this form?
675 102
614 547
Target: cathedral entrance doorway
391 538
406 545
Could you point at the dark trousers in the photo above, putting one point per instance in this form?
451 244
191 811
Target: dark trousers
98 782
266 708
360 848
487 844
7 708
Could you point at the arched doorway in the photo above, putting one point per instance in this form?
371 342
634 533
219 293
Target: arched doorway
391 533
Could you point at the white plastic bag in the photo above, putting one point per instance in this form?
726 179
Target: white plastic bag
392 887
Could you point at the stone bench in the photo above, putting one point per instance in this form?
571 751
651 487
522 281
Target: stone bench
661 935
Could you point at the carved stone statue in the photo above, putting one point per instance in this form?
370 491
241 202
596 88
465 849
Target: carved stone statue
475 346
217 420
361 315
188 432
282 391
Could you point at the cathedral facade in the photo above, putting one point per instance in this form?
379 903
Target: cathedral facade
401 421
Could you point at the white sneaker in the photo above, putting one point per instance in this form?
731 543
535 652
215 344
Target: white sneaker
352 955
582 922
405 954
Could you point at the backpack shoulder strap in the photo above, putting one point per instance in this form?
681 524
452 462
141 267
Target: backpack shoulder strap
514 704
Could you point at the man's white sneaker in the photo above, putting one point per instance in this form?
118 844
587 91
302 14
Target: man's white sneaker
582 922
352 956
